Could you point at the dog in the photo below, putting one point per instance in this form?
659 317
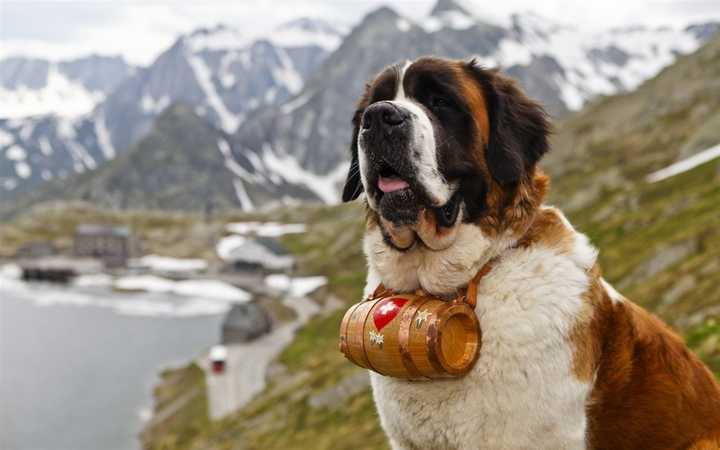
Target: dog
444 155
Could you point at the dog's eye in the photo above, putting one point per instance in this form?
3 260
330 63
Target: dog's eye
437 102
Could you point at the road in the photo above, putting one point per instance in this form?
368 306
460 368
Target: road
247 363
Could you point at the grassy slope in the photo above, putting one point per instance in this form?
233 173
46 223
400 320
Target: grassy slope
174 234
660 243
181 391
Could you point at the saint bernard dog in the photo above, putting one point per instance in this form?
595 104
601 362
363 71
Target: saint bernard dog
444 155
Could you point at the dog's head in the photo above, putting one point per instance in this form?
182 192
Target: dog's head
440 143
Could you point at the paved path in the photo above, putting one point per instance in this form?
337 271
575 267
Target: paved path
247 363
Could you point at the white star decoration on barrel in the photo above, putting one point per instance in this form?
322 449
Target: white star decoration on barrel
422 316
377 338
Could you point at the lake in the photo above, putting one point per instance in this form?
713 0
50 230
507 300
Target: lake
77 365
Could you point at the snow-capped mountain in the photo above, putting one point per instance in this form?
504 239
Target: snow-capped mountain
283 101
32 86
556 63
220 72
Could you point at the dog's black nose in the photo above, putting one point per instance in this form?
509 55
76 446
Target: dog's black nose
383 114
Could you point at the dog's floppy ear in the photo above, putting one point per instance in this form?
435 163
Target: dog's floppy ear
353 185
519 127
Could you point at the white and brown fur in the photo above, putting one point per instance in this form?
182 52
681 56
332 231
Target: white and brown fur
566 362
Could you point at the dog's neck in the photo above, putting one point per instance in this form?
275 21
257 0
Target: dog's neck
438 272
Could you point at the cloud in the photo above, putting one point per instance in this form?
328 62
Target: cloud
139 30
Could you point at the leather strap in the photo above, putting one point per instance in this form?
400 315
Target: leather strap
468 295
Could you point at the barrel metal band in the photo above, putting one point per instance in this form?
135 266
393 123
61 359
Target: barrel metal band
364 352
432 340
406 322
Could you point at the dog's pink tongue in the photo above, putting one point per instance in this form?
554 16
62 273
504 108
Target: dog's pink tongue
392 184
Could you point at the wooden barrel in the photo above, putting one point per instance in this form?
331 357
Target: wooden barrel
411 336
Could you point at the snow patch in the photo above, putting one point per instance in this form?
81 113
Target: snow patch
91 292
207 289
45 147
15 153
6 138
246 203
168 264
298 34
265 229
232 165
403 25
296 103
103 136
214 289
27 130
287 167
10 271
638 54
295 286
81 157
9 184
286 74
94 280
684 165
228 121
151 106
22 169
60 95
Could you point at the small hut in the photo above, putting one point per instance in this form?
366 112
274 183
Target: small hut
245 322
110 244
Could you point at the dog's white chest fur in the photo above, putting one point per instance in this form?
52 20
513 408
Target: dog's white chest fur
522 393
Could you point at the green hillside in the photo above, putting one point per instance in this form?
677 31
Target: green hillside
660 242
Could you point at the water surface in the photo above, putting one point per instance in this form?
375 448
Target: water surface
77 366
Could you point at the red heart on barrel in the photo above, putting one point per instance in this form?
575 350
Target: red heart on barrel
387 310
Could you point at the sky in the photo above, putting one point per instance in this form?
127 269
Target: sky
140 29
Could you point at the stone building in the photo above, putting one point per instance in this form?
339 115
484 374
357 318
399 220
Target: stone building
245 322
111 244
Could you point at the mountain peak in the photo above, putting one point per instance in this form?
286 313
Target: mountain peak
444 6
306 31
382 13
214 38
310 25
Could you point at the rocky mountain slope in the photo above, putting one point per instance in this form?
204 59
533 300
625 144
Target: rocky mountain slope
659 244
558 64
223 74
183 163
287 101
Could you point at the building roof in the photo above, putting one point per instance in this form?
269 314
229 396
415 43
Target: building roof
273 245
248 319
264 251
